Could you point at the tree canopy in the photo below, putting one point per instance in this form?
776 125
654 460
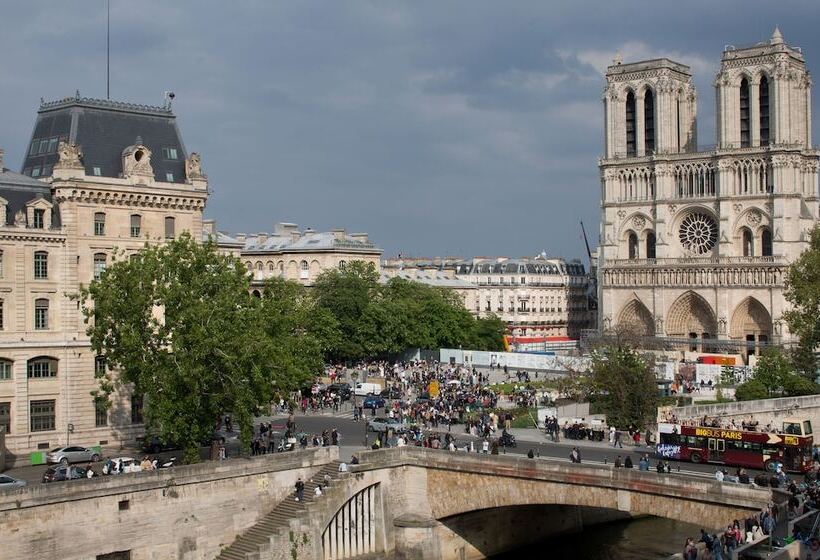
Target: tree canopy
776 376
803 293
178 323
623 383
377 320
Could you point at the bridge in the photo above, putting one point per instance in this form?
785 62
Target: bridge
405 503
413 503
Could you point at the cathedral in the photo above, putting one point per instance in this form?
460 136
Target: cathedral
696 241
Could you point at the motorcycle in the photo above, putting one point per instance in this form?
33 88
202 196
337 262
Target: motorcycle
507 440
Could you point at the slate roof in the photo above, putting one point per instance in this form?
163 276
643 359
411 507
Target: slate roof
522 266
19 189
316 241
103 129
431 278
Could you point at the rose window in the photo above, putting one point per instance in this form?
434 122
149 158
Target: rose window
698 233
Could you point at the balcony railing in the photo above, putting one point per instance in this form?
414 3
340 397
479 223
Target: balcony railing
696 261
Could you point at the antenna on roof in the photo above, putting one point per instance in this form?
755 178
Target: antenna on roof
108 50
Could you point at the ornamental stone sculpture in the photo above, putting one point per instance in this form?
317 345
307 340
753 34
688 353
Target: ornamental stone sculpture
136 162
70 156
193 166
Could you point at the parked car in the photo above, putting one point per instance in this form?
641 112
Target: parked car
9 482
373 402
72 454
155 444
380 424
342 389
120 465
63 472
363 389
391 393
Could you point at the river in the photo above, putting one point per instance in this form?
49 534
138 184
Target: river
646 538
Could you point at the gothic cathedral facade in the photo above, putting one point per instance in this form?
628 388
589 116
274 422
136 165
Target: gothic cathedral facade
696 242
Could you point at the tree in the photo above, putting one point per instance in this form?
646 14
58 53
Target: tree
488 333
776 375
751 390
772 370
179 326
624 383
803 293
346 295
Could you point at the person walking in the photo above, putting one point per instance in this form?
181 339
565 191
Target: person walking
617 442
300 490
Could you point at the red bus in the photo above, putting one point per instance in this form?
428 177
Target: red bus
792 446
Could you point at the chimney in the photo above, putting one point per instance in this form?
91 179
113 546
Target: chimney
360 237
209 227
309 231
283 228
240 237
261 238
338 234
295 236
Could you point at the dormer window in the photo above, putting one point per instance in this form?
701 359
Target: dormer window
169 153
169 177
96 171
39 218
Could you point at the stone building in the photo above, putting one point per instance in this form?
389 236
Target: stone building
537 297
696 242
295 255
98 177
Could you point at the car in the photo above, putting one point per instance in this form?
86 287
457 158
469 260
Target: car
72 454
391 393
63 472
120 465
365 389
381 424
9 482
155 444
342 389
373 402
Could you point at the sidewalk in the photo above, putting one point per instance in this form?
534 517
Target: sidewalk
531 435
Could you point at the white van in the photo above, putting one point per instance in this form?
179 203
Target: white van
364 389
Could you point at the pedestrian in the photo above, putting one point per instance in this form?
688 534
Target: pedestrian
628 462
618 462
485 447
317 491
617 442
575 455
531 454
300 490
690 551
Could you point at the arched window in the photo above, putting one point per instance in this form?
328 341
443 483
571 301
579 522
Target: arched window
270 266
42 366
99 265
649 122
633 246
259 266
631 125
281 267
304 270
745 133
170 227
40 265
342 265
748 243
763 97
136 225
249 266
766 242
99 223
40 314
650 245
256 294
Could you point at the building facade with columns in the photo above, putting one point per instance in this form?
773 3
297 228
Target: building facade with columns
98 177
695 243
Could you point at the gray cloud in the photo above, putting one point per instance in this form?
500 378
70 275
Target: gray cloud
465 127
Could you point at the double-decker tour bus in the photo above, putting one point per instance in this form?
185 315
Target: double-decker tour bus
792 446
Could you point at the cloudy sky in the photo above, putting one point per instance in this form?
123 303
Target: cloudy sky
438 127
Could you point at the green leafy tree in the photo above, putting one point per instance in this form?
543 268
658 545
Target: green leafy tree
751 390
623 383
803 293
488 333
772 370
179 326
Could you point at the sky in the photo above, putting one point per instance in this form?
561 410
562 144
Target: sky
440 128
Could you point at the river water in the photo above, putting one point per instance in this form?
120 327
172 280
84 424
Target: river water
646 538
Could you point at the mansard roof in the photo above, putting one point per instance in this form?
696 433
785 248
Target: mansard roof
103 129
19 190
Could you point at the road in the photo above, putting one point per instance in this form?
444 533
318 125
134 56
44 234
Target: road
352 439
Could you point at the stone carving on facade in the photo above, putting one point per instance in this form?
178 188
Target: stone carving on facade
673 208
737 207
722 325
193 167
136 161
639 222
622 214
69 156
20 218
754 217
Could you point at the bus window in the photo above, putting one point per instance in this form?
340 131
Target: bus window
792 428
806 427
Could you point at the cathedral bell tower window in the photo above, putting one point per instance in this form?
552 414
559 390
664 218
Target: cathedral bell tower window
631 125
649 122
745 132
764 111
633 246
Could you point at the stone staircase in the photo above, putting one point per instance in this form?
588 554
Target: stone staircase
255 541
